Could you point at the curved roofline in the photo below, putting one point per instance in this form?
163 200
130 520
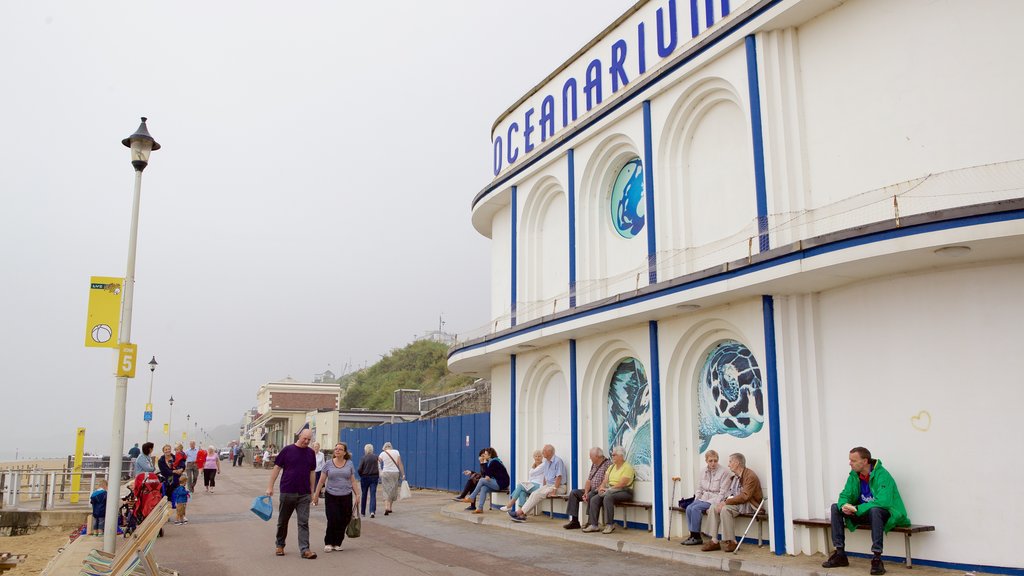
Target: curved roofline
629 12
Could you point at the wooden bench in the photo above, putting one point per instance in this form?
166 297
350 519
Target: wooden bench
762 517
134 555
625 505
907 532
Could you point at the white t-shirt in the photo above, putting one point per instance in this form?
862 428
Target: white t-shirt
320 460
386 463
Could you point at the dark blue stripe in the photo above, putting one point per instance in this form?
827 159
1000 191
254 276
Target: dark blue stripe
572 228
574 415
515 250
587 123
766 264
725 8
755 122
512 421
774 427
709 12
659 481
694 22
652 238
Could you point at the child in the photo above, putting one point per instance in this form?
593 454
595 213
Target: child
98 499
179 500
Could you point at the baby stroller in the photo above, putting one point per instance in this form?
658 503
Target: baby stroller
144 496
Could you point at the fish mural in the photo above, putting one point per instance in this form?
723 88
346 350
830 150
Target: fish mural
729 397
629 415
627 202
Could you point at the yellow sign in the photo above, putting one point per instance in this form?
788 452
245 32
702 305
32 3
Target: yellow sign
104 320
126 354
184 436
167 428
76 478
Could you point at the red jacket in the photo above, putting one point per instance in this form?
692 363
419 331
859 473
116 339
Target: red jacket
200 458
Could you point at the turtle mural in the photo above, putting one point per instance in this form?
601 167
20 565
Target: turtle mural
729 396
629 415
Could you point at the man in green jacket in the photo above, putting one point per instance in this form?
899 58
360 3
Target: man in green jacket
869 497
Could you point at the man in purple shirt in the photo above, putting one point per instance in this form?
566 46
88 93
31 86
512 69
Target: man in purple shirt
298 462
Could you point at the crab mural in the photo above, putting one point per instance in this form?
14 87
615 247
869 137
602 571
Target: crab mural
729 398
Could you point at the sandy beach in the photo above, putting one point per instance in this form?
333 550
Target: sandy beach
41 547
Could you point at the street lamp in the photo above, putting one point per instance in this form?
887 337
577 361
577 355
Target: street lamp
141 144
148 414
169 414
188 418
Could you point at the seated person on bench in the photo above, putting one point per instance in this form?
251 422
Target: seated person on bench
714 483
598 468
616 487
743 496
869 497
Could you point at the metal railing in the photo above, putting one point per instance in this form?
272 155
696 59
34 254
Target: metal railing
45 488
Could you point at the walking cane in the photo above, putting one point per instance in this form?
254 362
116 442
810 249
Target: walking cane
749 524
675 480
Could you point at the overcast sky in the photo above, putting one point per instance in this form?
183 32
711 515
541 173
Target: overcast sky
309 209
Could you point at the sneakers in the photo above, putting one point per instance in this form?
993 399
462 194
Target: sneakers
608 529
505 508
515 517
591 528
176 523
372 515
876 566
328 548
693 541
573 524
184 520
469 508
710 546
837 559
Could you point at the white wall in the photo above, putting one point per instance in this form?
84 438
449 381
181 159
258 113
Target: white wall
501 271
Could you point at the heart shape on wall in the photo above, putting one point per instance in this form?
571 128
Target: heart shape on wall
922 421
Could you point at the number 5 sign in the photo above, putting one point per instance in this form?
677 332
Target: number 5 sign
126 360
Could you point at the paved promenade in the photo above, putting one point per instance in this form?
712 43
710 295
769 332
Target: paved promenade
430 534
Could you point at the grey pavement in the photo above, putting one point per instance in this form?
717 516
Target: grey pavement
430 534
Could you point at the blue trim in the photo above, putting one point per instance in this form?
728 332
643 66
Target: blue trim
774 427
659 481
574 415
709 13
572 227
582 127
652 238
948 565
755 124
515 251
812 252
694 22
512 421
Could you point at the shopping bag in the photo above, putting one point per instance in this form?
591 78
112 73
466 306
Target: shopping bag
263 507
404 492
354 527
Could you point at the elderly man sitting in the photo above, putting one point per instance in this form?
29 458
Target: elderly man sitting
554 483
743 496
598 467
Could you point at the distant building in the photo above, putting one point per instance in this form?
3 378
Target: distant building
282 408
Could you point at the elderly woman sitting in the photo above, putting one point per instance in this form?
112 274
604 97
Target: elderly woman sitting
616 487
524 489
714 483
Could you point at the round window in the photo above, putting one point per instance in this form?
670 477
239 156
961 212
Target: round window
627 203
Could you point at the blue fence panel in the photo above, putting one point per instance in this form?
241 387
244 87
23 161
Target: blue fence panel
434 452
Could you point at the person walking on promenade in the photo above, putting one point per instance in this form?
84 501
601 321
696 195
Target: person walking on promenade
339 481
369 476
870 496
714 483
191 469
391 474
297 462
320 461
211 467
144 462
495 478
595 479
134 451
239 455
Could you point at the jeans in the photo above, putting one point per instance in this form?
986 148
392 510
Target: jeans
339 513
369 484
608 500
877 517
484 487
694 515
520 494
298 503
572 509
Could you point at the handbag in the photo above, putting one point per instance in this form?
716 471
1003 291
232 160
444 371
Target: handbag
354 527
404 492
263 507
684 502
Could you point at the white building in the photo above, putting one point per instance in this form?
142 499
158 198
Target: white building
779 227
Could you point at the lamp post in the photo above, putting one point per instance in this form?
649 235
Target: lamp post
170 413
148 414
141 144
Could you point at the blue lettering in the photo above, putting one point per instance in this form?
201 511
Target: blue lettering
641 53
664 49
568 89
593 85
547 117
513 153
616 70
527 130
497 155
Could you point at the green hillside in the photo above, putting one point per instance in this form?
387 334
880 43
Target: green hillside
421 365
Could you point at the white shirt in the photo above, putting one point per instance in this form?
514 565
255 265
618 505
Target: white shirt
386 463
